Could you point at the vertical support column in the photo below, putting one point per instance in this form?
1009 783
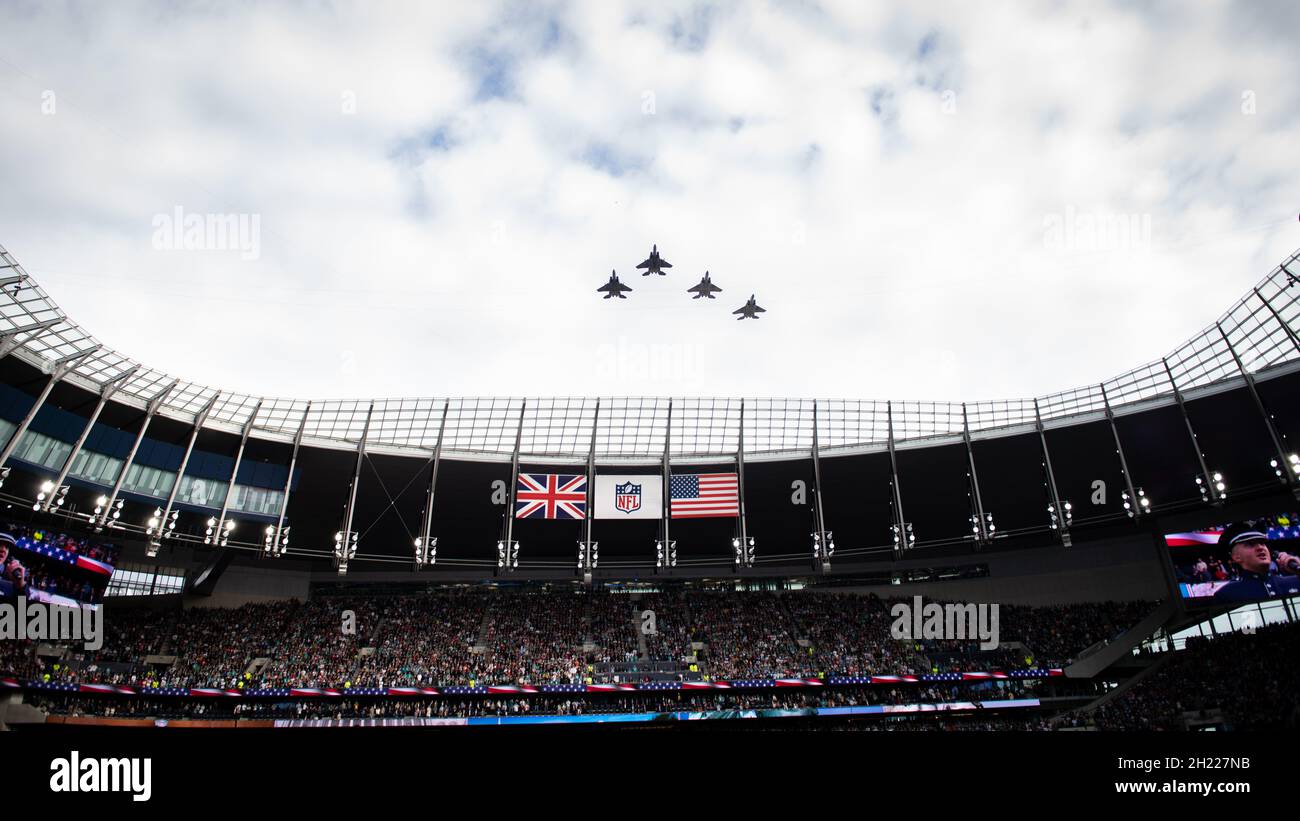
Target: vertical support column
1191 433
221 536
666 550
105 393
345 541
1287 473
426 548
745 550
1058 510
587 550
903 535
1138 505
508 552
824 546
165 524
983 525
280 537
108 510
60 369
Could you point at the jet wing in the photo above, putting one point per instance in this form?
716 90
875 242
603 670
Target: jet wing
713 289
645 264
701 288
758 309
663 263
740 310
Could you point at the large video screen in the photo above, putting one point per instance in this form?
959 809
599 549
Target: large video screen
53 567
1246 561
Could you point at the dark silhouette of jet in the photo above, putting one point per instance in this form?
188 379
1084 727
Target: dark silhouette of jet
750 309
655 264
614 288
706 288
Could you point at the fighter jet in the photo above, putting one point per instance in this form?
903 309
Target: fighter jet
655 263
706 288
614 288
750 309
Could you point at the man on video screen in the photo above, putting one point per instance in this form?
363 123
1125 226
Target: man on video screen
1257 572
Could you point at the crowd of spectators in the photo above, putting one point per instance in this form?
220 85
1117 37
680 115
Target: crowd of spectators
1246 681
476 636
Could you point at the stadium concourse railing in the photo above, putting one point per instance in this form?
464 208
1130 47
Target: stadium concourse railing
1255 337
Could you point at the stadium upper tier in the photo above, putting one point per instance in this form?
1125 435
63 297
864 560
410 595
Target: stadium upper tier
1256 335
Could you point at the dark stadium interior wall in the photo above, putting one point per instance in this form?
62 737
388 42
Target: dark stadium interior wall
390 502
1160 455
936 492
1235 438
466 519
1081 455
855 492
779 506
1120 569
316 507
255 583
1012 481
1281 396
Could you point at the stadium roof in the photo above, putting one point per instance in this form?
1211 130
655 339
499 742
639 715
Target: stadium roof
1256 334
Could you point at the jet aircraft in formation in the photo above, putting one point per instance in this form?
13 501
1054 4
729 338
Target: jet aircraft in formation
655 264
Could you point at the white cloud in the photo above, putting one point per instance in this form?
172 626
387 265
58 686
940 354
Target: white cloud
448 236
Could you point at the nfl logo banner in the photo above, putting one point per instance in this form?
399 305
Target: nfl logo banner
630 497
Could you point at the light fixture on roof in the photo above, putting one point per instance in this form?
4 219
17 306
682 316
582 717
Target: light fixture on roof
1293 464
1142 505
218 533
1215 491
507 559
275 541
666 554
345 549
426 552
49 497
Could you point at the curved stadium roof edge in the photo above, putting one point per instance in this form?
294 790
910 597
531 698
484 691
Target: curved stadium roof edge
1255 336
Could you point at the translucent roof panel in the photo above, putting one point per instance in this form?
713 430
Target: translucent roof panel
1257 334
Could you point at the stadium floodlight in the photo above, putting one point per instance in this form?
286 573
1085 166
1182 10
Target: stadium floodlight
1143 504
507 556
1215 491
4 474
345 549
426 553
103 513
49 496
1293 461
823 547
666 554
218 533
1062 519
588 556
743 550
275 543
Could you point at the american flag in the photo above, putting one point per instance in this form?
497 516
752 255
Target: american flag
702 495
551 496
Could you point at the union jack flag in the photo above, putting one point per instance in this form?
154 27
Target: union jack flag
551 496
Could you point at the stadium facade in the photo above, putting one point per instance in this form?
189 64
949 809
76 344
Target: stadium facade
904 489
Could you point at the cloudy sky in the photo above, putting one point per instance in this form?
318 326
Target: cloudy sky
934 201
